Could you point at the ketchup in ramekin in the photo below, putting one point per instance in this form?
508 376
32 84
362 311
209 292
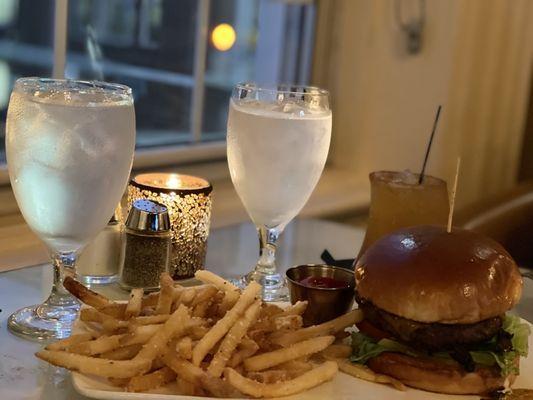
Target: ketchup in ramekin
323 282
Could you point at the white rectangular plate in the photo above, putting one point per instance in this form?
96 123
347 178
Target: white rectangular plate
342 387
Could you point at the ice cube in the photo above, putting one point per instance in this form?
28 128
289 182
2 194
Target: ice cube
53 142
37 187
407 177
291 108
294 109
67 136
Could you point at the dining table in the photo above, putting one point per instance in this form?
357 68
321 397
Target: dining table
232 251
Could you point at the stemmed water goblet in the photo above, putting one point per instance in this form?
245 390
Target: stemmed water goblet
69 151
277 145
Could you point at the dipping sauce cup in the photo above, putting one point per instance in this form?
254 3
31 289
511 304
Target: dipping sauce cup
328 290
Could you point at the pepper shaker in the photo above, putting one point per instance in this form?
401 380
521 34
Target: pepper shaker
147 245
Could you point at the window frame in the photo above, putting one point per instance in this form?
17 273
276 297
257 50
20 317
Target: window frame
196 150
158 156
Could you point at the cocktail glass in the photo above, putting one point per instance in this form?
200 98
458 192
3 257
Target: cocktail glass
69 151
397 200
278 141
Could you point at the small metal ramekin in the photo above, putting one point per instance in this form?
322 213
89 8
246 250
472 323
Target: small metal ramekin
324 303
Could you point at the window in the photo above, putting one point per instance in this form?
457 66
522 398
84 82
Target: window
25 48
181 57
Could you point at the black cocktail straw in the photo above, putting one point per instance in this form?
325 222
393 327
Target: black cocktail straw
421 177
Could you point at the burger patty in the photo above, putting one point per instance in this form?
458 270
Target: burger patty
430 336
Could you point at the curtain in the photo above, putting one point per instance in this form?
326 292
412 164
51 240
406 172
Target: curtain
489 93
475 61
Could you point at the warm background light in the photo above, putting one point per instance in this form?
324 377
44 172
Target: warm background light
223 37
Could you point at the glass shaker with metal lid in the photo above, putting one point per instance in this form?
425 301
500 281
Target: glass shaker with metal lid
147 245
99 262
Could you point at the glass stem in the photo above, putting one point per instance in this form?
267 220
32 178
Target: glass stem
64 265
268 238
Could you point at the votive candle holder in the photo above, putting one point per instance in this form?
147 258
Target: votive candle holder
188 200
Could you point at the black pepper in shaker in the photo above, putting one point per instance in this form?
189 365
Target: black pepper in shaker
147 245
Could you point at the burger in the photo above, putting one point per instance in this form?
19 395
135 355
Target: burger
434 305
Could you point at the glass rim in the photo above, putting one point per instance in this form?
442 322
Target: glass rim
388 177
35 83
277 88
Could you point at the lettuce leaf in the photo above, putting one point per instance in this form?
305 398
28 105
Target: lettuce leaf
505 360
487 354
520 332
365 348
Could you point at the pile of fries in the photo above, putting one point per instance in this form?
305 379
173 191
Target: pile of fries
206 340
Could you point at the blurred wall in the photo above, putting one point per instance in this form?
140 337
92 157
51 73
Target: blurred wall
475 61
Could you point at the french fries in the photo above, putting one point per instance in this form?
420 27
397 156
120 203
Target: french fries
187 296
150 300
365 373
166 294
247 349
204 295
224 324
115 310
184 348
152 380
287 322
271 376
108 322
199 332
297 308
140 335
296 367
337 351
64 344
231 292
206 340
95 366
297 350
327 328
150 319
183 368
133 309
174 326
85 294
316 376
97 346
122 353
232 339
186 388
203 301
219 388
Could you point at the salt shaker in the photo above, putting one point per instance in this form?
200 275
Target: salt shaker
99 262
147 245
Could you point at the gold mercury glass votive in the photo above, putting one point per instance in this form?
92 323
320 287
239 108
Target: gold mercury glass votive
188 199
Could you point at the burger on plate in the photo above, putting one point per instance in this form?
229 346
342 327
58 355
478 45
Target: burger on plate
434 306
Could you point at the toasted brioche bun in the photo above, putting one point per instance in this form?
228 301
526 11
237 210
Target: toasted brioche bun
426 274
438 376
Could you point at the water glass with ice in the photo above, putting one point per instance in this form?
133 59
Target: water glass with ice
69 147
277 143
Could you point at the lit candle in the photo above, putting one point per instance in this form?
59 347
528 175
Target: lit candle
188 201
